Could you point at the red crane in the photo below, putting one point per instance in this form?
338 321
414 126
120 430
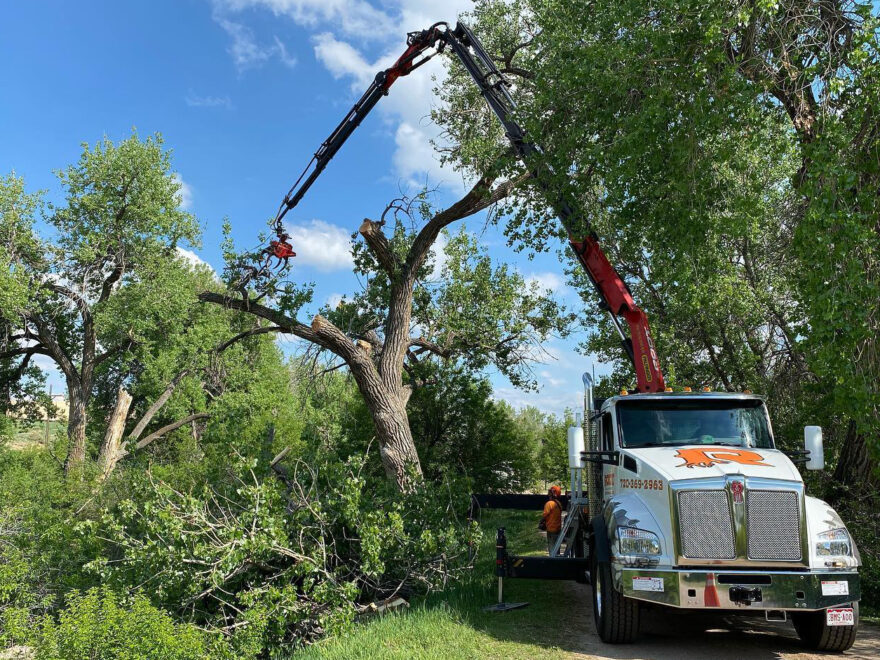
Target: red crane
421 46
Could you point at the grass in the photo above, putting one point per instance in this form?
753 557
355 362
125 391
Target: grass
452 624
29 435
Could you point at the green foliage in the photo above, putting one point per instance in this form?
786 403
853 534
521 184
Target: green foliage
553 454
453 624
100 625
41 557
276 559
119 227
459 430
19 244
120 197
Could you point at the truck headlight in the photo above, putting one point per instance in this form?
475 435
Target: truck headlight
632 541
834 543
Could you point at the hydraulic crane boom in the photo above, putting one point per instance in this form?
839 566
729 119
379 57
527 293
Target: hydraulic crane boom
613 292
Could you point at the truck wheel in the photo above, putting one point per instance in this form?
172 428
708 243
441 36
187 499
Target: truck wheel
617 617
813 630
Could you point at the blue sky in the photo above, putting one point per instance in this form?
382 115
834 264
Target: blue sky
243 92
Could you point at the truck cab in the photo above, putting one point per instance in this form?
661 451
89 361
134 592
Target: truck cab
695 507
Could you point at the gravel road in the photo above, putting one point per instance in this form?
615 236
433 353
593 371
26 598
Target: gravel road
689 636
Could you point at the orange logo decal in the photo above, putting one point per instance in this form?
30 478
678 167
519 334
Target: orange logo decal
712 455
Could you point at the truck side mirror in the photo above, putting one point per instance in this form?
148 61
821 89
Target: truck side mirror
813 444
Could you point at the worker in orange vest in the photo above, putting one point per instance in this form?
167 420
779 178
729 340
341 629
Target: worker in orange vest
551 521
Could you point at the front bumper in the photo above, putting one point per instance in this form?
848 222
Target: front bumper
740 590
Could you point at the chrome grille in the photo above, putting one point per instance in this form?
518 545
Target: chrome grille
774 524
705 526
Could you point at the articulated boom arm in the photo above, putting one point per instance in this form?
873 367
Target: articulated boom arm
612 290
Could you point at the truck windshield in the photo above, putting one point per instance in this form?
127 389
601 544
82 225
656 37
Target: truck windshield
693 422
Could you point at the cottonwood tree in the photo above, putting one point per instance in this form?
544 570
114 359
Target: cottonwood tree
188 363
727 152
120 221
412 310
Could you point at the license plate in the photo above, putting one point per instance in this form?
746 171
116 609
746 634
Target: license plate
840 616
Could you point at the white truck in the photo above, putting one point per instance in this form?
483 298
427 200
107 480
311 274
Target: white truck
694 507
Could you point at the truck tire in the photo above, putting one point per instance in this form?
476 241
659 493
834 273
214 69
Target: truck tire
617 617
813 630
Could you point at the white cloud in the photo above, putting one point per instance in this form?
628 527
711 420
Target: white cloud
322 245
281 50
352 17
334 299
546 281
244 49
185 193
439 256
246 52
415 159
550 379
543 353
343 60
193 100
548 400
193 259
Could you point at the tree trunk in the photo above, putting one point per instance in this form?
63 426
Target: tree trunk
76 428
854 467
396 447
110 448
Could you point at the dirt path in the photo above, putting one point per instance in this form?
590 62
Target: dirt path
696 637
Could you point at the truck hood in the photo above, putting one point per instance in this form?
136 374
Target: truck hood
698 461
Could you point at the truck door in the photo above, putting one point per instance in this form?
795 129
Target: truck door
609 472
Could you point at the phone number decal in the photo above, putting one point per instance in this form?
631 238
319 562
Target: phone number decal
643 484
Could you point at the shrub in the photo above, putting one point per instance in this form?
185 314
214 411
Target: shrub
98 625
276 559
41 557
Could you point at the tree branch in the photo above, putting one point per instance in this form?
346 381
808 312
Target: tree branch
248 333
114 276
429 346
378 243
157 405
24 350
286 323
52 347
480 197
169 428
71 295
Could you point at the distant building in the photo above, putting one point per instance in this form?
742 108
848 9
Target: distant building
59 409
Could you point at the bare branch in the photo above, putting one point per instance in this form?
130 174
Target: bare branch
110 282
157 405
248 333
169 428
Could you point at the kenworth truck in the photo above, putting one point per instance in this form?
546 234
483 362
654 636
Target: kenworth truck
695 508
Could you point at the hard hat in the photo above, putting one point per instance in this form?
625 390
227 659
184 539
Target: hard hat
556 491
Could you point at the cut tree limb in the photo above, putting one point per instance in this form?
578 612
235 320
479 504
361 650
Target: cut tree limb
379 245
